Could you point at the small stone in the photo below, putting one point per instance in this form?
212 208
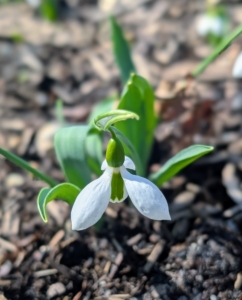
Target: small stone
14 180
55 289
198 297
6 268
162 289
237 102
181 229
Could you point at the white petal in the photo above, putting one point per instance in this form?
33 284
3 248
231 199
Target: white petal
128 163
203 25
237 69
146 196
104 165
34 3
217 26
92 202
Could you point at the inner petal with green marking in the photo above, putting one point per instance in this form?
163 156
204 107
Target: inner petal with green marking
118 191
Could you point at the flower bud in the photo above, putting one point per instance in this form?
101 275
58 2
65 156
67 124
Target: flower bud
115 153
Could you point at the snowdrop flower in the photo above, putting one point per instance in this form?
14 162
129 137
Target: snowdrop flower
115 185
210 24
237 69
34 3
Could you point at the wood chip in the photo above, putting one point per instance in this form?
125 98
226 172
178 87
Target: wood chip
67 242
7 245
154 255
5 283
44 273
143 251
238 281
19 259
107 267
57 238
134 240
77 296
119 297
119 258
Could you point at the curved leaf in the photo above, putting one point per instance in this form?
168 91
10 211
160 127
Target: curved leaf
104 121
64 191
179 161
70 151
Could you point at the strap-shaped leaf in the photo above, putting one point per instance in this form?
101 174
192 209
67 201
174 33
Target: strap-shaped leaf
178 162
26 166
138 97
64 191
104 121
130 151
70 151
121 51
94 153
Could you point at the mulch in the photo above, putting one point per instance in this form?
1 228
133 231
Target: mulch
196 255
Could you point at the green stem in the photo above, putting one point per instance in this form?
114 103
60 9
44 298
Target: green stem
23 164
59 112
221 47
112 133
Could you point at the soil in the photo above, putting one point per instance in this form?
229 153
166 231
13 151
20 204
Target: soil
196 255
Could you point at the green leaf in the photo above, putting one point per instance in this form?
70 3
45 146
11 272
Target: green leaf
121 51
49 9
178 162
64 191
138 97
130 151
104 121
70 151
223 45
101 108
94 153
26 166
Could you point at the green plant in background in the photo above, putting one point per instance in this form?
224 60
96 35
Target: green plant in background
79 151
49 9
214 24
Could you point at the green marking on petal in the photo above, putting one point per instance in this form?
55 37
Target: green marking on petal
117 186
